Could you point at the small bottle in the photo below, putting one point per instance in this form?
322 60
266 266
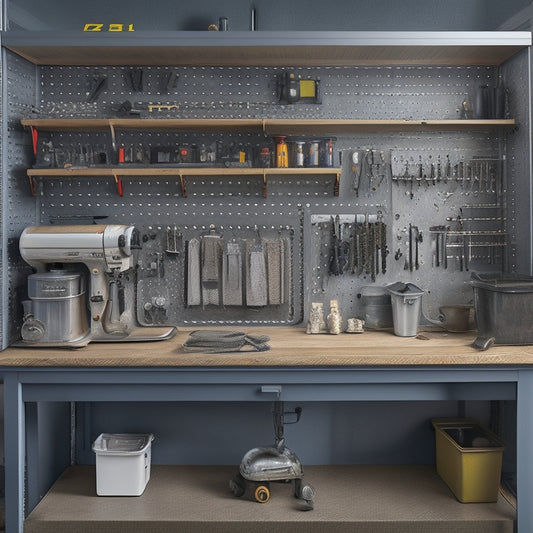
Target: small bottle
313 153
264 157
300 153
334 319
282 154
329 153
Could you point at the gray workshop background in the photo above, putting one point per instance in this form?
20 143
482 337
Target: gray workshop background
205 92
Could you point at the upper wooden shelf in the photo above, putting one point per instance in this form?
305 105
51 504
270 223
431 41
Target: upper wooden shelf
266 48
269 126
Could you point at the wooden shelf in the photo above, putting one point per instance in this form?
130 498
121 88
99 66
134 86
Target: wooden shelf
381 499
267 48
182 173
268 126
339 126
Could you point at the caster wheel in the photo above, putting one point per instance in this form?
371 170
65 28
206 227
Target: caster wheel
262 494
237 485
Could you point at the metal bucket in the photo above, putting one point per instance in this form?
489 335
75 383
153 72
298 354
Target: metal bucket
406 300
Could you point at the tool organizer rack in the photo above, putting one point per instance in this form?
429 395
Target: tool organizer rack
393 98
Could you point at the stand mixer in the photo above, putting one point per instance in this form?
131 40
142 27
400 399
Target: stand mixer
55 294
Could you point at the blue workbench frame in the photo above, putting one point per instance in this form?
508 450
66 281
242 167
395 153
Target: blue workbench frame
423 383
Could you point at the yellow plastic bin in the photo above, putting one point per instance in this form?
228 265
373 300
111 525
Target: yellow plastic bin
469 459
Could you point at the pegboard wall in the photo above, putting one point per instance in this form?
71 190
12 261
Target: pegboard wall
439 199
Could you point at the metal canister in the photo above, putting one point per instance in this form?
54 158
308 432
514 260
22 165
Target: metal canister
58 306
314 147
223 24
300 153
282 153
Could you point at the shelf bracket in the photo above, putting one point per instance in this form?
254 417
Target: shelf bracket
32 185
34 139
337 184
183 186
264 184
113 136
118 181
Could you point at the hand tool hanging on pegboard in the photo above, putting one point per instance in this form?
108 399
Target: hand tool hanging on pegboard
97 84
136 78
194 293
339 248
357 166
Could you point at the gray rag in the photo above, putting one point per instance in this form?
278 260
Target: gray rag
193 273
232 275
256 279
211 253
215 341
275 258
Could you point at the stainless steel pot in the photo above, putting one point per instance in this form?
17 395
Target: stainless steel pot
58 305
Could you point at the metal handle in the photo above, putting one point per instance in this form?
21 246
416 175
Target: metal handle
271 389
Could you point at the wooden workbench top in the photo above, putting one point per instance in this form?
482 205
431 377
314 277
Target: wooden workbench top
289 347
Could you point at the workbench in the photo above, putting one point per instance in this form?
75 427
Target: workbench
299 367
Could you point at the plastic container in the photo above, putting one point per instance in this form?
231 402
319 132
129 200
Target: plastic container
406 300
376 307
122 463
469 459
503 306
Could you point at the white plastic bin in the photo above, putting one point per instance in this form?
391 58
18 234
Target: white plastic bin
122 463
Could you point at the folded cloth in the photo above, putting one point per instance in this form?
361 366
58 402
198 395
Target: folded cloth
215 341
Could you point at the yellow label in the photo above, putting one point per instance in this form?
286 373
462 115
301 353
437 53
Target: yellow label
94 26
307 88
242 157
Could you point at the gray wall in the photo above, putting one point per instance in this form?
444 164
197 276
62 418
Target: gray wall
389 15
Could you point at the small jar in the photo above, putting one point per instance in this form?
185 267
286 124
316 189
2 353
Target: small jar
300 153
329 153
264 157
314 148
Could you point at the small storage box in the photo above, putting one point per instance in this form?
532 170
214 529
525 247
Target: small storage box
504 306
122 463
469 459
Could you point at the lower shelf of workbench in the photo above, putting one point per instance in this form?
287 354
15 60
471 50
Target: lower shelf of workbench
362 498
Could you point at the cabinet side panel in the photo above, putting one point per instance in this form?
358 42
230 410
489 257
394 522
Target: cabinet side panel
517 72
20 90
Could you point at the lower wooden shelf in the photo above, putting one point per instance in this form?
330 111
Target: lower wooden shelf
183 173
362 498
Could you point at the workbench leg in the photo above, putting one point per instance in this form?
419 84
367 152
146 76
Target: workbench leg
524 446
14 445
